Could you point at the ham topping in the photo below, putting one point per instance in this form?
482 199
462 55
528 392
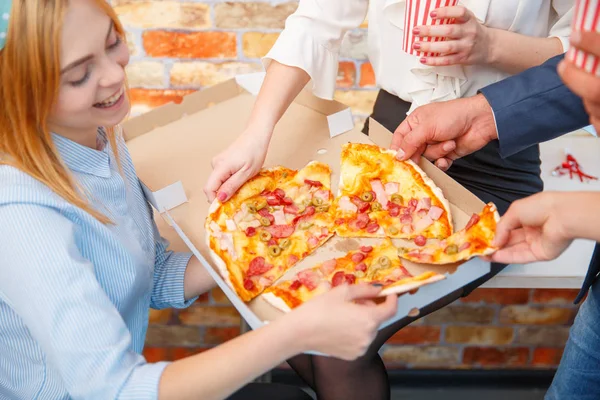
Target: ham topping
346 205
474 220
392 188
380 194
279 217
435 213
309 278
328 266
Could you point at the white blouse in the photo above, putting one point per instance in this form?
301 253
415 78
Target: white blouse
313 36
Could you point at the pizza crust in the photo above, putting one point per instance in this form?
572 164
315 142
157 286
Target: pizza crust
216 258
407 287
276 302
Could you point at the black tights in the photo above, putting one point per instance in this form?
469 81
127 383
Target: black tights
365 377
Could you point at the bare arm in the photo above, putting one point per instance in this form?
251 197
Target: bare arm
580 216
513 53
331 323
244 158
217 373
281 86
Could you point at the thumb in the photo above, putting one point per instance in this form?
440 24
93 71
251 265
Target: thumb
387 309
402 130
235 181
362 291
219 175
413 143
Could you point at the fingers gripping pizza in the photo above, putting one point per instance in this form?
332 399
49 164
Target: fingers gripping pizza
276 219
380 196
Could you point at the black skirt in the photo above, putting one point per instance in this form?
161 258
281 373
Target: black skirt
484 173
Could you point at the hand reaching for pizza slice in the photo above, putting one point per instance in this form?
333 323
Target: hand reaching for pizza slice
476 239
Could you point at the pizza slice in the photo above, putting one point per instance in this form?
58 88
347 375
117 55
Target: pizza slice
380 196
369 264
474 240
274 220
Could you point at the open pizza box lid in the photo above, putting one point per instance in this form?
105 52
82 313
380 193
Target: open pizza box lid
172 147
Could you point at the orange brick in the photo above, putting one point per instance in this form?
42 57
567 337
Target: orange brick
555 296
177 353
190 45
258 44
209 316
361 101
495 357
160 316
156 354
221 335
498 296
155 97
546 357
438 356
219 297
367 76
481 335
536 315
346 74
416 335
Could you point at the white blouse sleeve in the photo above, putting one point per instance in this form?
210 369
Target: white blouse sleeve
562 26
312 39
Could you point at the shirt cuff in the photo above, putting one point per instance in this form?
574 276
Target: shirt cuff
564 40
143 382
298 48
171 292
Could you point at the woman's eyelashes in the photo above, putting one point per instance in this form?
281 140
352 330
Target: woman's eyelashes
82 80
117 41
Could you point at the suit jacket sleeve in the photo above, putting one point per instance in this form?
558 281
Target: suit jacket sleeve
533 107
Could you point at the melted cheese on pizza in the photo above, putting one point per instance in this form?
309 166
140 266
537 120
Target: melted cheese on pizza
381 196
474 240
273 221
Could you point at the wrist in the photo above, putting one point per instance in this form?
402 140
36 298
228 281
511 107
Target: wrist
297 333
483 120
493 47
578 206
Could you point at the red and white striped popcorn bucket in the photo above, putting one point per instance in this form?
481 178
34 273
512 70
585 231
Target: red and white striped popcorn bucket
417 14
587 18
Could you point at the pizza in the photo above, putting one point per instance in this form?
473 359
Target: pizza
273 221
380 196
475 239
369 264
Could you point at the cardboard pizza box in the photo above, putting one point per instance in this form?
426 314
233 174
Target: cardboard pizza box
172 147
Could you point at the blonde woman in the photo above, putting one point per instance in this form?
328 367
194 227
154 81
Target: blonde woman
81 259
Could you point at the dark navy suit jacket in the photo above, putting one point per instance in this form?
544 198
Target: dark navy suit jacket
533 107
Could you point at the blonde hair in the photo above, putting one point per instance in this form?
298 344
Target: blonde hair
30 78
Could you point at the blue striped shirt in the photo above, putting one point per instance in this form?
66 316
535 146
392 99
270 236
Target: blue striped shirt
74 293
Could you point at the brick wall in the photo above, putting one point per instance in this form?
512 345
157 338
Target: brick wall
491 328
178 47
181 46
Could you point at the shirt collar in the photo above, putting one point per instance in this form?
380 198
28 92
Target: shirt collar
84 159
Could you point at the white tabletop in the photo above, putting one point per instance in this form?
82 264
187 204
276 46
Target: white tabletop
568 270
